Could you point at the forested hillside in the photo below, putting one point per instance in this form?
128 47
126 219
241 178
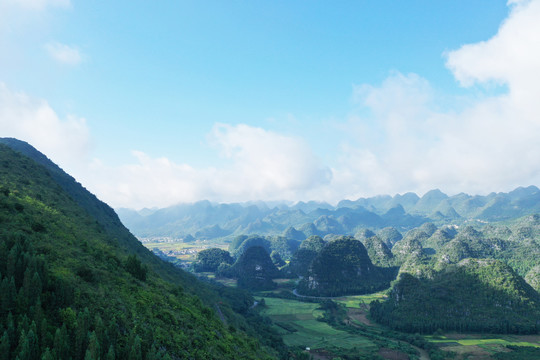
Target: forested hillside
75 284
343 267
475 295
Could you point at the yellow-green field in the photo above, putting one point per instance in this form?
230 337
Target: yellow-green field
502 340
357 301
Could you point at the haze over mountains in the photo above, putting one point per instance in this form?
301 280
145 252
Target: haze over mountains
76 284
205 220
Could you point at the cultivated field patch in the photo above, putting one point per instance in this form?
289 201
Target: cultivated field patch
307 330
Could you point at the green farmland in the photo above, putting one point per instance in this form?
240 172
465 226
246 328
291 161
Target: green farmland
298 324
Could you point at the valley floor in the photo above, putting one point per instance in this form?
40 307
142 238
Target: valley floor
300 325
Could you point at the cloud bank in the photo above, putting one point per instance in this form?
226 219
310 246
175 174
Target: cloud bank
257 164
492 144
66 141
404 138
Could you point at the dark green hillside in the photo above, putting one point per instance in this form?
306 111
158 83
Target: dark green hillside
533 278
309 230
210 259
476 295
378 252
314 243
470 243
342 267
237 248
302 258
255 270
283 246
363 234
389 236
75 284
410 246
439 238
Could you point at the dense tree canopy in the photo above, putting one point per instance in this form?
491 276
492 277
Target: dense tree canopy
342 267
475 295
210 259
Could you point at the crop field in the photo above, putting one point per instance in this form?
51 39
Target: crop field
358 301
476 340
297 322
482 346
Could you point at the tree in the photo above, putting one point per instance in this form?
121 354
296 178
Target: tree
81 332
9 294
4 346
136 268
61 343
110 354
28 346
135 352
94 348
47 355
210 259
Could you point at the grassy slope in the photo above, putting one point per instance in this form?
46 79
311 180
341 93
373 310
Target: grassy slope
83 251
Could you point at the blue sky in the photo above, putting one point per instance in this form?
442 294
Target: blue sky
155 103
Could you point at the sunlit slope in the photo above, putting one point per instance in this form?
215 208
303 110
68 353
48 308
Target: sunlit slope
75 284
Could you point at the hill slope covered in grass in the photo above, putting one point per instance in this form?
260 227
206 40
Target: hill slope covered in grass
76 284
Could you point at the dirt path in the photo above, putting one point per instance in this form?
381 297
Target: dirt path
361 316
223 320
423 353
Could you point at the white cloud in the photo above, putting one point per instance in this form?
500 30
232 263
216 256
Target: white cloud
148 182
258 164
517 2
64 54
490 145
37 4
269 161
65 141
511 57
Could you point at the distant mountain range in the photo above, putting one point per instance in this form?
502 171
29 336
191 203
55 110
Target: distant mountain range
206 220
